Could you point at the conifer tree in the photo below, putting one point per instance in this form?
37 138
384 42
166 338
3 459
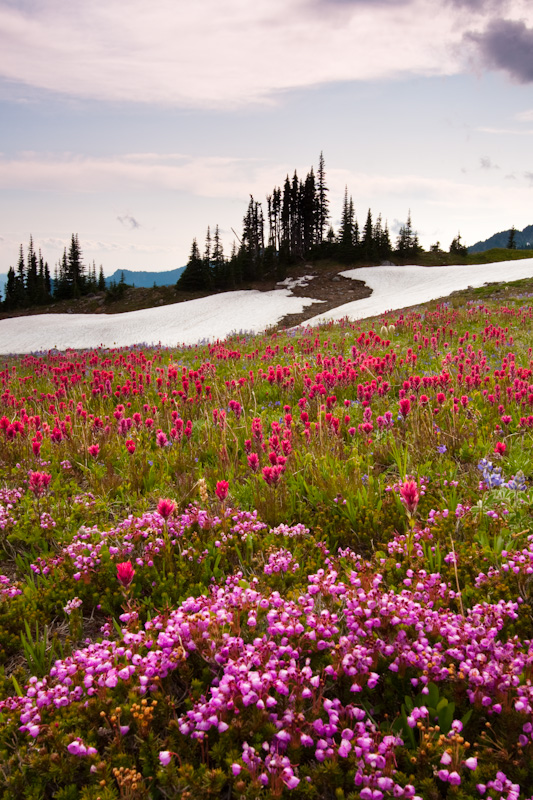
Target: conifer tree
10 290
407 244
457 247
194 277
47 283
218 263
308 214
368 243
322 215
32 291
207 251
20 282
101 280
511 241
253 242
346 236
286 222
76 281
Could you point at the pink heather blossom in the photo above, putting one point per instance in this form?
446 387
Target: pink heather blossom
221 490
165 757
125 573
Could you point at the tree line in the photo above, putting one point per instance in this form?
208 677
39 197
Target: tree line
30 284
295 227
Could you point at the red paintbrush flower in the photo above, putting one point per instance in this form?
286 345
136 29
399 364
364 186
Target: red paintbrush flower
166 508
221 490
125 573
409 495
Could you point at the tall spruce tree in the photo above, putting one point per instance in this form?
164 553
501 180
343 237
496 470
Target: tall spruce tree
218 264
21 298
407 244
368 244
322 214
251 253
32 289
194 277
76 280
346 236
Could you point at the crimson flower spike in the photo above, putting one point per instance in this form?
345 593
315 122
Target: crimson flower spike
125 573
409 495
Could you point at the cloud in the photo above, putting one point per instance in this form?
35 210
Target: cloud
529 177
525 116
207 176
213 54
128 221
507 45
482 6
486 163
506 131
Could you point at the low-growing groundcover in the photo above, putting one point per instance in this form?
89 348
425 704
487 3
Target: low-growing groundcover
291 565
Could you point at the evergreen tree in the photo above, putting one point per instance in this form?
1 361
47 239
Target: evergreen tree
308 212
274 220
322 215
218 263
62 289
296 242
20 282
194 277
286 222
207 253
76 281
47 283
368 243
457 247
252 243
511 241
101 280
32 289
10 290
346 236
407 245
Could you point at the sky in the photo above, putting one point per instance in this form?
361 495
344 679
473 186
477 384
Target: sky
218 316
136 125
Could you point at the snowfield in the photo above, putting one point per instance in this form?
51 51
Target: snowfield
218 316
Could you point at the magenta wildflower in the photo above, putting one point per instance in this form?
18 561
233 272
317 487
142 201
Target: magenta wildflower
166 508
221 490
39 482
409 495
125 573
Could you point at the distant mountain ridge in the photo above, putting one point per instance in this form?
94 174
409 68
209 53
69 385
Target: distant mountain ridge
523 240
144 280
